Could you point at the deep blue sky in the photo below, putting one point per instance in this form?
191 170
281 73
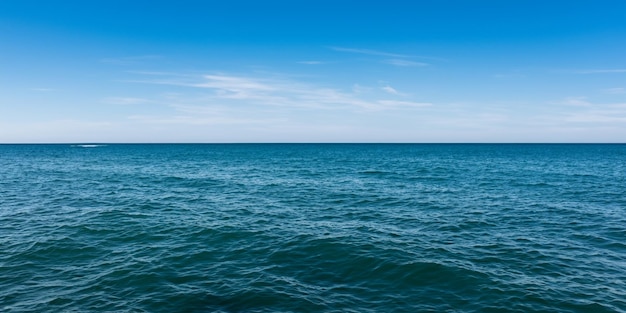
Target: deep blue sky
317 71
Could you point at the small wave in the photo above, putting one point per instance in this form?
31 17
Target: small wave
375 172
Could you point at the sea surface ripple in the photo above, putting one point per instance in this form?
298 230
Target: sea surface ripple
313 228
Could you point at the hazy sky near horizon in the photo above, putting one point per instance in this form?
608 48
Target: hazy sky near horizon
312 71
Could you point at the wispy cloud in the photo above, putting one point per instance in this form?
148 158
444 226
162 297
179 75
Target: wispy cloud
404 63
393 56
615 91
389 89
589 111
394 103
312 62
576 101
358 89
201 120
124 100
601 71
131 59
386 87
370 52
589 105
233 84
597 116
508 76
157 73
231 90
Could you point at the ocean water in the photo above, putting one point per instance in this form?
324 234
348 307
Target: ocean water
313 228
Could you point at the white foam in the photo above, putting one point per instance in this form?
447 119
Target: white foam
88 146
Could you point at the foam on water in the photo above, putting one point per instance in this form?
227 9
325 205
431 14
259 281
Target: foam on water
88 146
310 228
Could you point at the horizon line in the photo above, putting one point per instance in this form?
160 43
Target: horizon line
312 143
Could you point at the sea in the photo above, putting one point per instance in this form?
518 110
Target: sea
313 228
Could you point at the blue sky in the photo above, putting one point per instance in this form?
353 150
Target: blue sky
312 71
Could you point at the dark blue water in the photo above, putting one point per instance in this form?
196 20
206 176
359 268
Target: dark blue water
313 228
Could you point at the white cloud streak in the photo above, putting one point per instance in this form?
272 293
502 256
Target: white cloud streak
589 112
577 101
597 116
370 52
404 63
233 84
615 91
604 71
391 90
201 120
406 104
241 90
384 54
312 62
124 100
130 60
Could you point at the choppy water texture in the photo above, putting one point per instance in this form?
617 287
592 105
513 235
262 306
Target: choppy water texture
313 228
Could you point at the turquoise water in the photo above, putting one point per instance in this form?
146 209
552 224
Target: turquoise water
313 228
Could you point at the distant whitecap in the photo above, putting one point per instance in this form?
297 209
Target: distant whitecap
88 146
